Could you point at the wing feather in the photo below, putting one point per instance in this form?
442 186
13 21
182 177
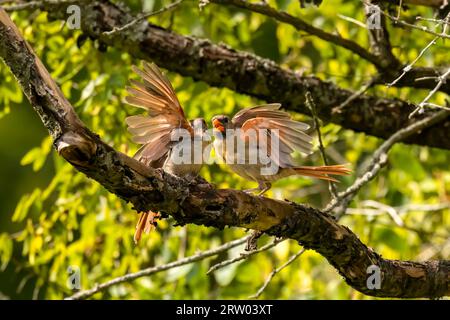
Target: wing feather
154 94
290 133
270 110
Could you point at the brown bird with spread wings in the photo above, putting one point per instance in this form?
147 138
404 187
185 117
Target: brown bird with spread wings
274 124
156 129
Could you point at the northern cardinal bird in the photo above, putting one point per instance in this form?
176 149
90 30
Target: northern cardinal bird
155 131
274 124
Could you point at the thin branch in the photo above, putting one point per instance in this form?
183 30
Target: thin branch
401 210
149 271
441 80
408 68
422 52
436 21
413 26
299 24
352 20
434 105
312 106
244 255
274 272
399 12
357 94
423 207
371 207
142 17
379 158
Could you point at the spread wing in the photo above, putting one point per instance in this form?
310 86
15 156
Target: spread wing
164 114
271 110
274 122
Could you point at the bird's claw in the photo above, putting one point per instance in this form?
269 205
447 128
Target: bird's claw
251 191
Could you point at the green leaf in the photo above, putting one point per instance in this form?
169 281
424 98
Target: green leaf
30 156
6 250
24 205
37 156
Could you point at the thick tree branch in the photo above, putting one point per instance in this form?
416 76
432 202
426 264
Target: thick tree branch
219 65
301 25
200 203
381 57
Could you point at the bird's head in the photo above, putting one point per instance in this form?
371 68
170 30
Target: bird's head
200 127
221 123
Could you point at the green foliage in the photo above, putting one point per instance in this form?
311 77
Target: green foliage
62 219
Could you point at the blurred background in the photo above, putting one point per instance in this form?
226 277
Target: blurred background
52 217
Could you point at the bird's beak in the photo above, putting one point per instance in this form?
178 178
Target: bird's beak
218 125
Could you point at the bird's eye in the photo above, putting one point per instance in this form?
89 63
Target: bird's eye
225 120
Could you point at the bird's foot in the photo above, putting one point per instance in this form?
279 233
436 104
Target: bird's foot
250 191
264 187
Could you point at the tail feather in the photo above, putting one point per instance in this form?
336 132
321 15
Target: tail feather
146 222
323 172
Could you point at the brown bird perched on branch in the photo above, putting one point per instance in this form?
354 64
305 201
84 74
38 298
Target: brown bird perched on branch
157 132
257 144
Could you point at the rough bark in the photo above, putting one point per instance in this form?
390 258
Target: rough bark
220 65
200 202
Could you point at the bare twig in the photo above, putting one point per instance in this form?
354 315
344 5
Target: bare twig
379 159
423 207
244 255
356 94
312 107
274 272
352 20
142 17
413 26
422 52
149 271
407 68
299 24
399 12
436 21
376 208
441 80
